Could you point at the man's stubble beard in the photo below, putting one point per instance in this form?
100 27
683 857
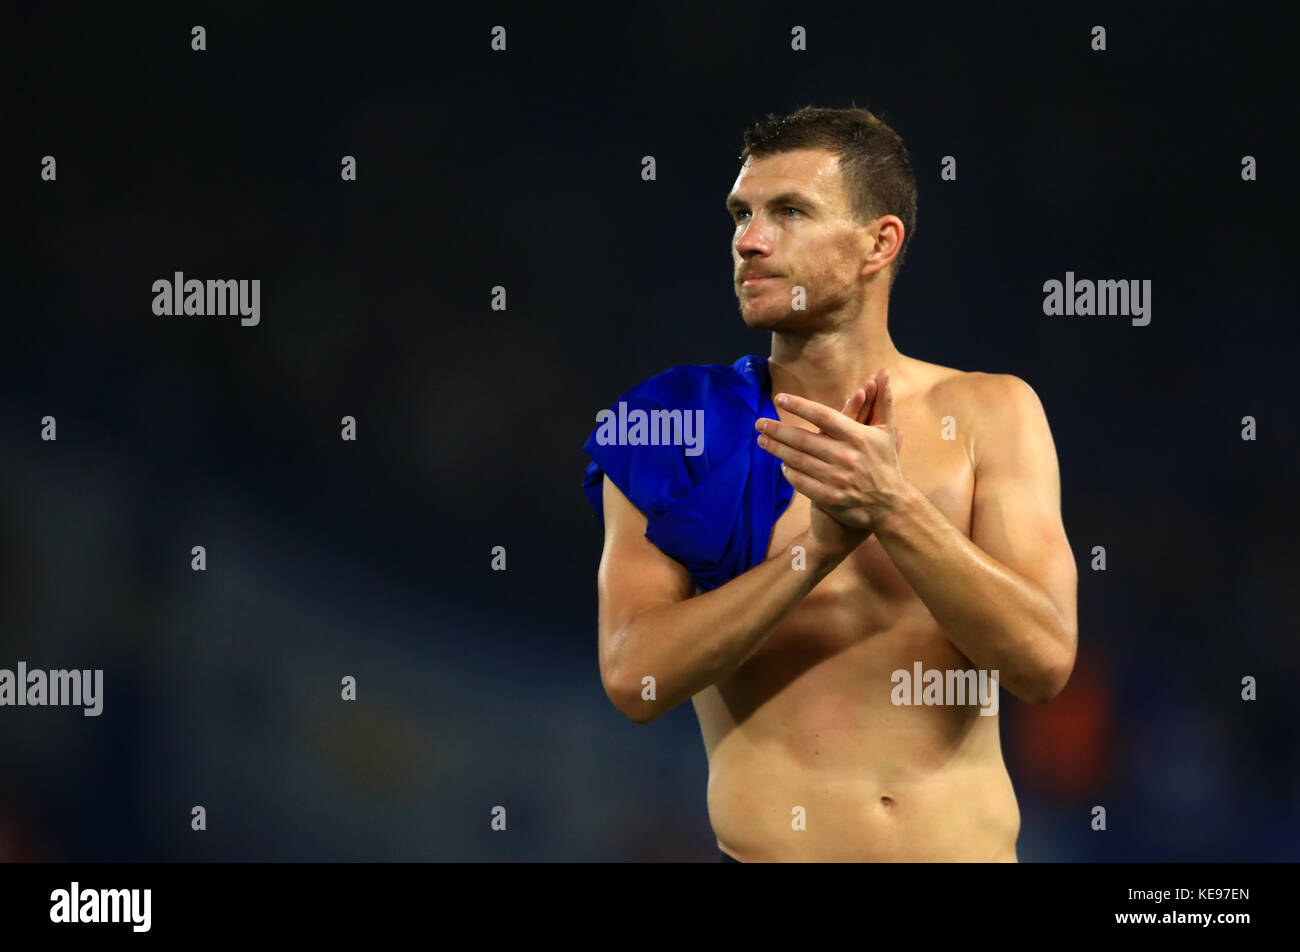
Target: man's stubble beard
772 317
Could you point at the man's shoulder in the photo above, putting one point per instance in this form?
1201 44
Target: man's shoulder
994 409
984 403
694 382
698 371
978 392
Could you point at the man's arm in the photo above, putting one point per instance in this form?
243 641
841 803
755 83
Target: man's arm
651 626
1006 597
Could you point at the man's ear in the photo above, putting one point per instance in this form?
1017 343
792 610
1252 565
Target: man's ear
888 231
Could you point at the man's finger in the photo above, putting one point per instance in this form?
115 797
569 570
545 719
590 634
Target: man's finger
882 411
865 414
807 463
799 438
805 484
819 415
854 404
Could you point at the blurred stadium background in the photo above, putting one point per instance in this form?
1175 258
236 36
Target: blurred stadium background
371 559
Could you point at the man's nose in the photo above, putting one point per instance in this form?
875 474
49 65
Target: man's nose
753 239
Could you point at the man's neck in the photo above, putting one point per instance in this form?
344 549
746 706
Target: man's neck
830 365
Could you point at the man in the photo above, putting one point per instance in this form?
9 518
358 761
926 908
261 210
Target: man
815 589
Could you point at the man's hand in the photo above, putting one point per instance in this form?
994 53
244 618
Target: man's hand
834 538
849 470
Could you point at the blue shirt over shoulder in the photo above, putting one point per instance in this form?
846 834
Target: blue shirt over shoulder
710 494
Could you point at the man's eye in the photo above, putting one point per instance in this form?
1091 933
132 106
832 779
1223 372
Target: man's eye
789 208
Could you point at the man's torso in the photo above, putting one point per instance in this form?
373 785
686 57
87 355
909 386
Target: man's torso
805 734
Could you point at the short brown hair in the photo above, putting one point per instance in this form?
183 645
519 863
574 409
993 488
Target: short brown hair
874 164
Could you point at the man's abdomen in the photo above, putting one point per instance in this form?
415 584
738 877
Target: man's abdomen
765 805
816 754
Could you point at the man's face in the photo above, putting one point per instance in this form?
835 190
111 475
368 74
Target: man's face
792 220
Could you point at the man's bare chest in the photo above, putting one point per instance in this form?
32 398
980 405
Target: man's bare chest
935 458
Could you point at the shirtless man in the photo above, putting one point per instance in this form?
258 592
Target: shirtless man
950 552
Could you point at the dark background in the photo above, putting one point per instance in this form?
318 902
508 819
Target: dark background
477 168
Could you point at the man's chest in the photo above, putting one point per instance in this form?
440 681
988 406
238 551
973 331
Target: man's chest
935 458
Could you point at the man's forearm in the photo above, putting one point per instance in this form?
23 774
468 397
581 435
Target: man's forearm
995 616
689 645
